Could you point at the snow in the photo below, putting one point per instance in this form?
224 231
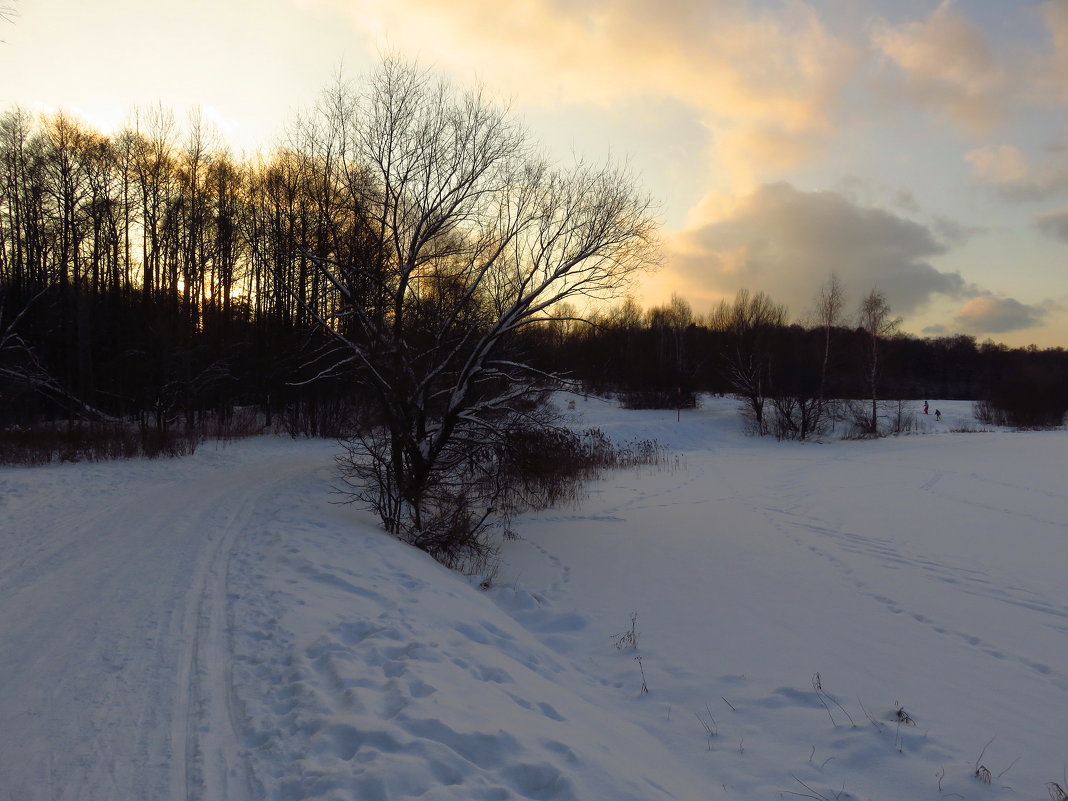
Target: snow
219 627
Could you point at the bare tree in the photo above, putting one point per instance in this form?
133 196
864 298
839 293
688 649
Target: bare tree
469 239
749 322
830 305
874 319
801 404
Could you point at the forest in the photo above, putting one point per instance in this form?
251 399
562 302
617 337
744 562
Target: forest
149 274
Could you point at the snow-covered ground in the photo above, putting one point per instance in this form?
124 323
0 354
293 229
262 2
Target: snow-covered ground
216 628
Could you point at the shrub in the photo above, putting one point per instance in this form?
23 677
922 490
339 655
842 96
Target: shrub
84 441
529 467
97 441
329 417
1021 411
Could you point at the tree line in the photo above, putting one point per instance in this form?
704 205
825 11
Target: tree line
841 363
150 271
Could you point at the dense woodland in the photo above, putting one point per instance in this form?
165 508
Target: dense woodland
149 274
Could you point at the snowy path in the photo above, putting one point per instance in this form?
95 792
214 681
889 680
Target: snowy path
116 654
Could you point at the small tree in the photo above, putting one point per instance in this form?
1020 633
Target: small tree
750 323
875 322
470 238
830 304
801 405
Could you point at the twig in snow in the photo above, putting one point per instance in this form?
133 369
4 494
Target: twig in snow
628 639
728 703
982 772
814 794
645 687
817 685
877 724
709 726
1057 791
1008 768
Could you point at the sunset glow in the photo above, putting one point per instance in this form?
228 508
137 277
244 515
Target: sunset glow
916 146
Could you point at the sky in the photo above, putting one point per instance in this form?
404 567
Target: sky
915 146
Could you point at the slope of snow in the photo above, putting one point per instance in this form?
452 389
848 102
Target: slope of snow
217 627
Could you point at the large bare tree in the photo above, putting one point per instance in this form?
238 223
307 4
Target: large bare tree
469 238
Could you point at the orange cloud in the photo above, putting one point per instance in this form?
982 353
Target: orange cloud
767 86
1000 315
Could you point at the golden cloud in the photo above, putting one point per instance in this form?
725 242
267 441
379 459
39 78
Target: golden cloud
1000 315
767 86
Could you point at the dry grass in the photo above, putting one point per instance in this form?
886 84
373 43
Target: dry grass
96 441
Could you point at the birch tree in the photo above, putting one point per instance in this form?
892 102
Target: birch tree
469 238
875 321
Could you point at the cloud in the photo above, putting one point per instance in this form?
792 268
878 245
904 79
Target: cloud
1054 225
786 242
946 62
1014 176
997 315
953 232
865 192
765 83
1055 14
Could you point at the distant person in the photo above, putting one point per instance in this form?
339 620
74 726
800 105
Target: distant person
925 407
938 416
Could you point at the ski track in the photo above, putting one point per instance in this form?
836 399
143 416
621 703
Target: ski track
147 710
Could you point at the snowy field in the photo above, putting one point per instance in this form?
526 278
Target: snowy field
854 619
